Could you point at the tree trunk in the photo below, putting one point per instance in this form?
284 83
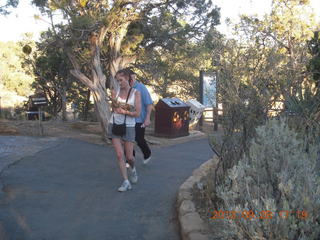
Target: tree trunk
97 83
118 61
98 91
103 110
86 107
64 103
97 86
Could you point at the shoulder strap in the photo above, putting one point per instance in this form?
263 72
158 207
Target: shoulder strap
125 116
128 95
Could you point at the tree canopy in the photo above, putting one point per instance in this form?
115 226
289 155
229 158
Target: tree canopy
7 5
13 74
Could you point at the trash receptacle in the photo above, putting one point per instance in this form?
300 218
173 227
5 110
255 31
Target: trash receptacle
196 110
171 118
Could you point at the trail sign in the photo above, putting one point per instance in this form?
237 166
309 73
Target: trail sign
208 89
39 101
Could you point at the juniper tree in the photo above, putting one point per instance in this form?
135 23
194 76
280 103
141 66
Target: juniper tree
8 4
99 37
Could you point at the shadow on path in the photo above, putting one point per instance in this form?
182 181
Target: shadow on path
69 192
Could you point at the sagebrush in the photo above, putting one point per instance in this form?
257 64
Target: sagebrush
276 175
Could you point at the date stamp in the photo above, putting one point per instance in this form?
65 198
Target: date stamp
250 214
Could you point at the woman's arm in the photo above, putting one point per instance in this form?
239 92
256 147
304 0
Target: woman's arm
113 93
137 107
114 103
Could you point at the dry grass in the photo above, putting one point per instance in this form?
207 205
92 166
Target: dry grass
85 131
8 129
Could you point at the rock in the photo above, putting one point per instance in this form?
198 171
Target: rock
192 226
204 169
184 195
188 185
200 186
197 236
186 206
191 222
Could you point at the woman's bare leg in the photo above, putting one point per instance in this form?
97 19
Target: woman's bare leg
120 156
128 148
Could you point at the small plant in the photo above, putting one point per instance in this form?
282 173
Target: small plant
276 176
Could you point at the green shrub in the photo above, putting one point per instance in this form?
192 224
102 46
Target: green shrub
276 175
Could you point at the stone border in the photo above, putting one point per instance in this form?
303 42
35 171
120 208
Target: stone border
192 227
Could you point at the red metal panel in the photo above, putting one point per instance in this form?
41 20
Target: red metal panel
171 118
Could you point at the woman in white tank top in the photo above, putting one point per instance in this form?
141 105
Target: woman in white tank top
119 116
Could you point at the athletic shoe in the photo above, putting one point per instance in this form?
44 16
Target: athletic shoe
125 186
134 175
145 161
127 164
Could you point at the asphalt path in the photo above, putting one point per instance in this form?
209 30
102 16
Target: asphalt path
68 191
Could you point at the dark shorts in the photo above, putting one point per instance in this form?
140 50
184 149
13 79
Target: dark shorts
128 137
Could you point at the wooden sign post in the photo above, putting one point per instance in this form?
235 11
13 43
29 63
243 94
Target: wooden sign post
40 101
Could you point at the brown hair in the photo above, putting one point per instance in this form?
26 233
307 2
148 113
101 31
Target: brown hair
126 72
131 71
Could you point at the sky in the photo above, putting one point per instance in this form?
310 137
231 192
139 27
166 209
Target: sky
21 19
233 8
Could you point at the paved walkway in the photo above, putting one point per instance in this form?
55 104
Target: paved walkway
68 191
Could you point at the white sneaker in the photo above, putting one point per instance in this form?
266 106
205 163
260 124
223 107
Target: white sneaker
125 186
127 163
145 161
134 175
